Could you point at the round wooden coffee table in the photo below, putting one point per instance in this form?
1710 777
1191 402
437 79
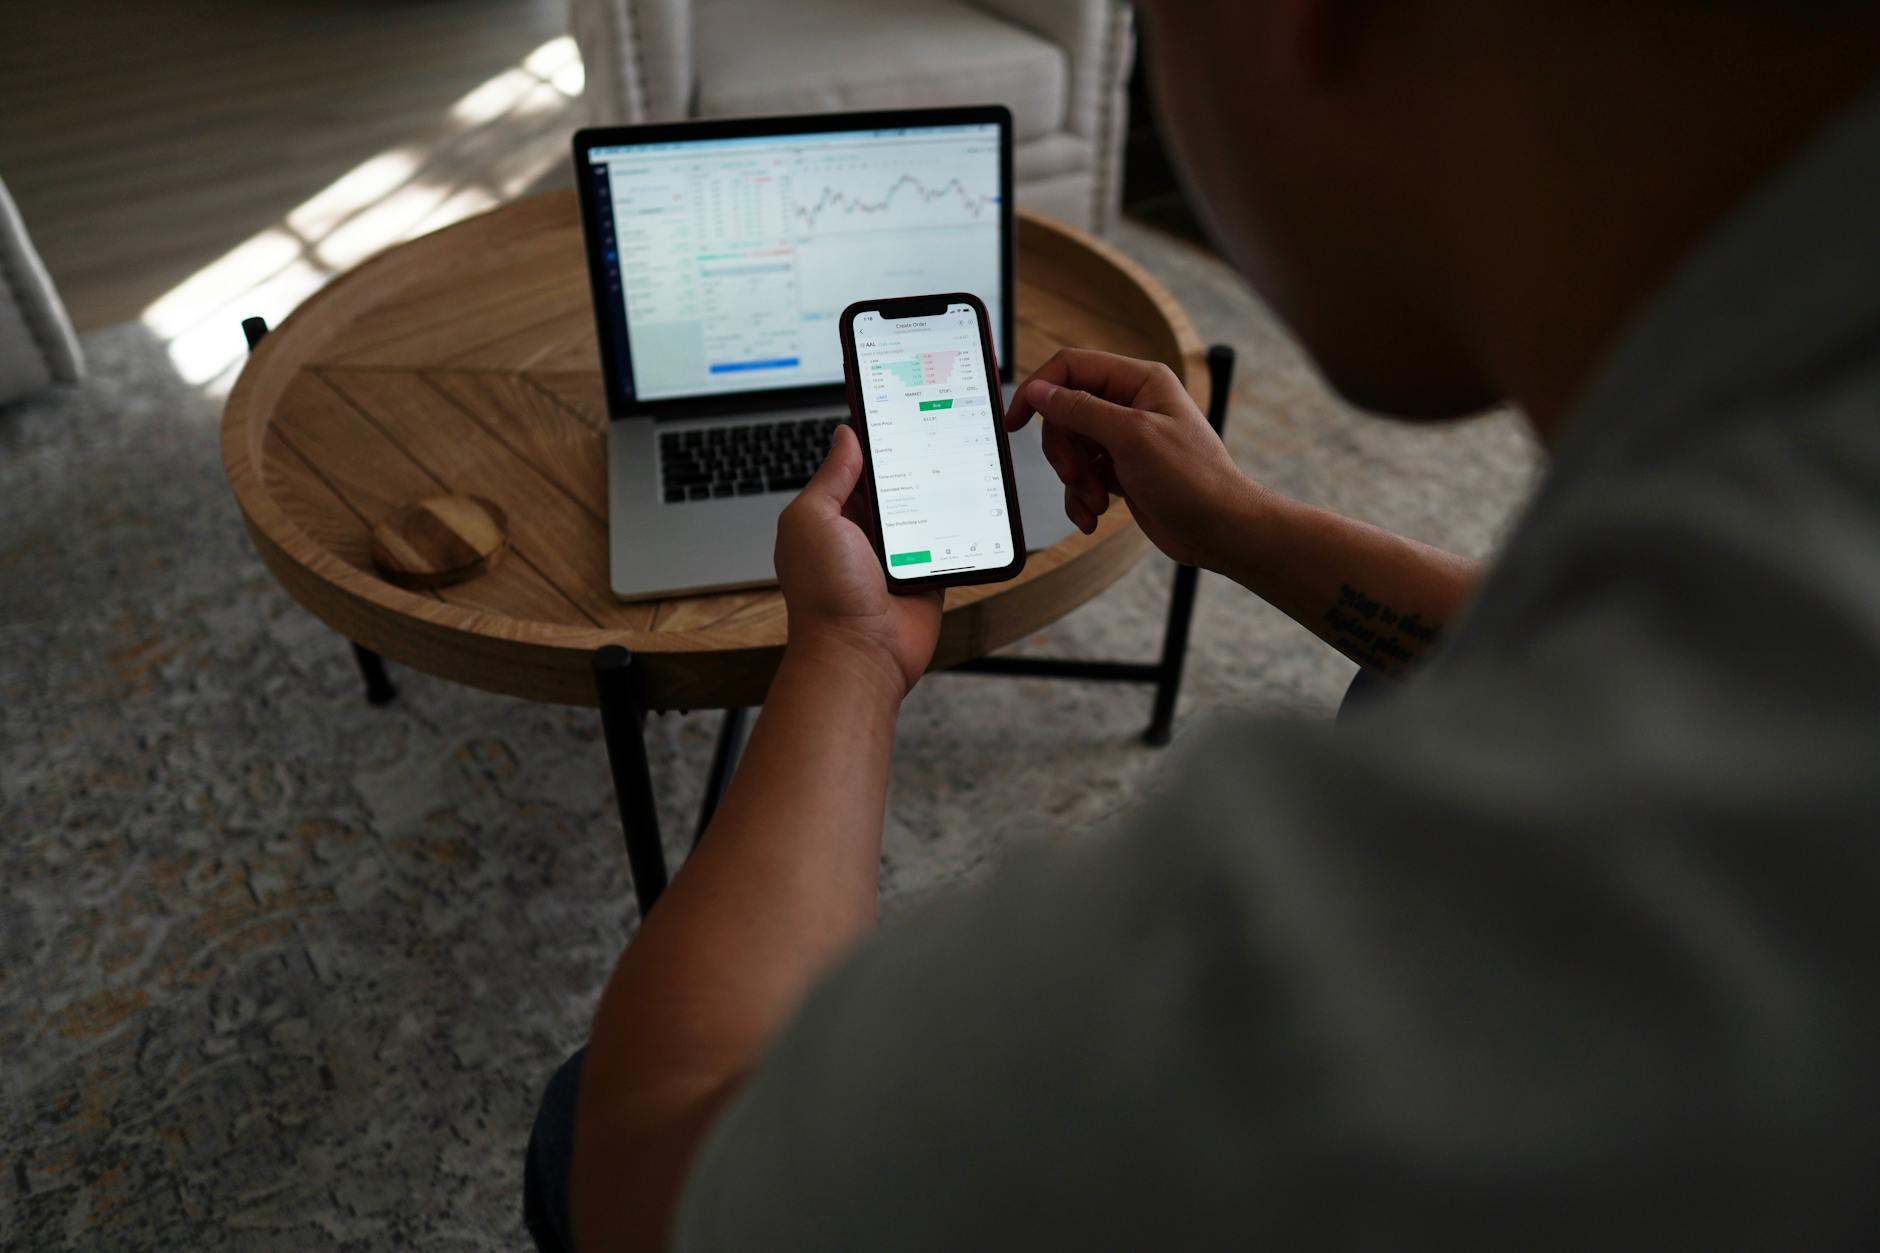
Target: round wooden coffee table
465 362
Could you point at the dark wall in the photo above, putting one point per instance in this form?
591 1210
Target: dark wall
1151 192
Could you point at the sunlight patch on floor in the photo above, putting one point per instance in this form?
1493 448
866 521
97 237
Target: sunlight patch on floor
495 142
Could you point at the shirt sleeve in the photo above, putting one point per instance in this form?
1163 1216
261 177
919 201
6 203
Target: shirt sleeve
1573 971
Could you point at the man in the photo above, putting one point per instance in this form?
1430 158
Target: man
1572 941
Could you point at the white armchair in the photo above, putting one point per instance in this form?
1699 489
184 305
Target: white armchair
1060 65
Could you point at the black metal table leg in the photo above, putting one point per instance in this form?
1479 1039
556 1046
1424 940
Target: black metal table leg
379 689
1181 606
1168 682
724 762
623 720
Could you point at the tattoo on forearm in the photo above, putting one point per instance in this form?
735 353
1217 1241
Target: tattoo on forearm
1375 635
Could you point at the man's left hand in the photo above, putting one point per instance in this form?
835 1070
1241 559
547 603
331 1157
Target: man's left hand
832 582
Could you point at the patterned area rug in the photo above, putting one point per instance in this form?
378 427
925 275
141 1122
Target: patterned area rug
282 970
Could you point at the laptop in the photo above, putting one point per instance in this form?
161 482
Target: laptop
721 254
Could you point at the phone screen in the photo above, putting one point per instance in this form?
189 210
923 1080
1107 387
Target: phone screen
925 389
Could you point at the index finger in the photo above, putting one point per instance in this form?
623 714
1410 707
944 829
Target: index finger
1108 375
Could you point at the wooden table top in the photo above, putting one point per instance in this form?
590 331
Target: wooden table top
466 362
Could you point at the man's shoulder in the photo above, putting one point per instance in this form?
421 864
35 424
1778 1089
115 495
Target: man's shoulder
1750 534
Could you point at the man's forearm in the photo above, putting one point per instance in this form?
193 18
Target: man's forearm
1380 599
781 886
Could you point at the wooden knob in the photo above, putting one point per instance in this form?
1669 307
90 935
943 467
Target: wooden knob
440 541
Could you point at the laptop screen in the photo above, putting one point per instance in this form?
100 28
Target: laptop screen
730 259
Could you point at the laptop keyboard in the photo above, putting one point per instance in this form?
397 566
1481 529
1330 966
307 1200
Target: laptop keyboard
742 460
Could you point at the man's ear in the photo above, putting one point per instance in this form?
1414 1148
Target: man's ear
1305 42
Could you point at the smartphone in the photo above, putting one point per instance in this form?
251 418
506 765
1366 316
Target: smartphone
924 397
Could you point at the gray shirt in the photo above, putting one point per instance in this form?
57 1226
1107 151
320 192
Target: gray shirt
1573 943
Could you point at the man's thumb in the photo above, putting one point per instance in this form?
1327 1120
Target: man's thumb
836 478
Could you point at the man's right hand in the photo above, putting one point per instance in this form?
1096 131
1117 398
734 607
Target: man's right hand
1116 425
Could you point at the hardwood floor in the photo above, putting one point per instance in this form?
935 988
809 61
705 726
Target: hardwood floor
149 142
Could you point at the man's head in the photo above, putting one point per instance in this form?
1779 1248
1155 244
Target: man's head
1454 202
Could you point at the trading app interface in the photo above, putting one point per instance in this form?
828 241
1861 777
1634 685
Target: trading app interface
933 443
735 257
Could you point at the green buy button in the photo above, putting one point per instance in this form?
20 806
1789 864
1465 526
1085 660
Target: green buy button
911 559
925 405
